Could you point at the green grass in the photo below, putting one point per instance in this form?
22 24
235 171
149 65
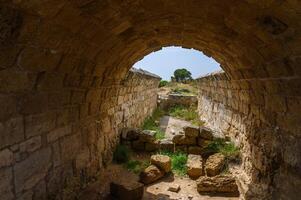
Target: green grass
178 162
136 166
121 154
185 113
228 149
151 123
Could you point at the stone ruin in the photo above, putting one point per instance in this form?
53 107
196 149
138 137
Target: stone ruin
62 70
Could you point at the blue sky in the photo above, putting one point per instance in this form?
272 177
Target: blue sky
164 62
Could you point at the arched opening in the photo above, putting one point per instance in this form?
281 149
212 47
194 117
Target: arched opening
62 64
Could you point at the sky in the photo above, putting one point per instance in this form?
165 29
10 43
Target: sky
164 62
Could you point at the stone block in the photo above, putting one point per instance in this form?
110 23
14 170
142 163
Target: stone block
215 164
206 133
161 161
31 145
166 145
224 184
6 184
32 170
58 133
151 174
6 158
152 146
147 136
127 190
194 166
70 146
11 131
183 140
195 150
37 124
191 131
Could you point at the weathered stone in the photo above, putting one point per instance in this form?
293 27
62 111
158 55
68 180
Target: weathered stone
174 188
195 150
11 131
36 166
151 174
166 145
31 145
161 161
6 158
215 164
127 190
203 143
6 186
194 166
183 140
206 133
147 136
217 184
191 131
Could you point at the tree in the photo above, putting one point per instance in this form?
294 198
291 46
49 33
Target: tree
182 75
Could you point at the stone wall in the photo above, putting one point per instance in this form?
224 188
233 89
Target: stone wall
64 132
261 116
171 100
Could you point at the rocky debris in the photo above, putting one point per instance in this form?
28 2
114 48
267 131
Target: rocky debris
151 174
206 133
174 188
195 150
130 134
147 136
218 184
161 161
191 131
127 190
181 139
214 164
194 166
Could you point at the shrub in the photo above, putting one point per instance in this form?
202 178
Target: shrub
121 154
178 161
163 83
151 124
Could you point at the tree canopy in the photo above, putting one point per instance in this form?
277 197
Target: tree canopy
182 75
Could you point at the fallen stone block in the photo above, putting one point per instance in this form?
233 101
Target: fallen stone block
215 164
161 161
217 184
174 188
152 146
194 166
127 190
138 145
151 174
166 144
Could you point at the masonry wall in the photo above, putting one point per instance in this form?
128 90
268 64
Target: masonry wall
262 117
62 126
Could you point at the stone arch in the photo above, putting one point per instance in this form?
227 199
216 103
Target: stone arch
61 62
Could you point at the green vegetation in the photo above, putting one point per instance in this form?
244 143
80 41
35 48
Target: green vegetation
228 149
151 123
185 113
178 161
182 91
163 83
136 166
121 154
182 75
